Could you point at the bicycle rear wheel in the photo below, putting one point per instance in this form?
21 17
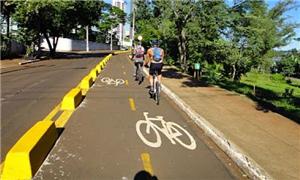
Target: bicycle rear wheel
157 86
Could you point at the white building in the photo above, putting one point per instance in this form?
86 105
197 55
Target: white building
120 29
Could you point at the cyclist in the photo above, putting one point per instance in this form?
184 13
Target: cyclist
155 56
138 57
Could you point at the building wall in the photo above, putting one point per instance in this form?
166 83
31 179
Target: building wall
120 29
65 44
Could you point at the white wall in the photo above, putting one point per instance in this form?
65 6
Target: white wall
65 44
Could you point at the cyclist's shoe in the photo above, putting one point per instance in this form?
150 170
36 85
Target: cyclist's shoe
151 91
140 82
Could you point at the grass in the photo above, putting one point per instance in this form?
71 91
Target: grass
270 91
273 82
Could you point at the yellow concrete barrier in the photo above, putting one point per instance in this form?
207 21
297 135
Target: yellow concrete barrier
98 67
72 99
26 156
85 84
120 52
93 74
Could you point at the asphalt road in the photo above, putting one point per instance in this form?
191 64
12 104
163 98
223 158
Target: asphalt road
29 93
106 137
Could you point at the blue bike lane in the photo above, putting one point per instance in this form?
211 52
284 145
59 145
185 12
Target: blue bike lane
118 132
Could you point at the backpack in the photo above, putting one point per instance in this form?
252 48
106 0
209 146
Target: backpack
139 52
157 54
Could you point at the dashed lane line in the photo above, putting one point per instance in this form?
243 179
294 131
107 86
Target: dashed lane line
132 104
147 163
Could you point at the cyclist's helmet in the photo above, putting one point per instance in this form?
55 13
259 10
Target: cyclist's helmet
155 42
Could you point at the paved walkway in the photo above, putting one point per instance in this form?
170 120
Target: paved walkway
270 139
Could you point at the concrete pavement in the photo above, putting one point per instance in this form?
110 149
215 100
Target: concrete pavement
101 139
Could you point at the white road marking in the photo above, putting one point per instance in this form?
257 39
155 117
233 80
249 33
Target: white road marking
110 81
171 130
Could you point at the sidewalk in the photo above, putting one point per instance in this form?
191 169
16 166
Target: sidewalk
10 63
268 139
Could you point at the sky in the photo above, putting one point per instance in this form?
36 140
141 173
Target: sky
293 16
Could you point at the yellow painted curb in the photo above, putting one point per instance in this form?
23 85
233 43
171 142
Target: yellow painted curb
72 99
26 156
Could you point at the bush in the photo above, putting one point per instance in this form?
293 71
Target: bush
277 77
213 72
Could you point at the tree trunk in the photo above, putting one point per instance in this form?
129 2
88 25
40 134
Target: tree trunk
184 52
55 41
52 47
233 72
8 34
180 51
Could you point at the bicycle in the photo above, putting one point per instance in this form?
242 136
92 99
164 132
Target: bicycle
139 73
174 132
156 87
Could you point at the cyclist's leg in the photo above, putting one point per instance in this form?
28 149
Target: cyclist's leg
151 72
159 78
135 68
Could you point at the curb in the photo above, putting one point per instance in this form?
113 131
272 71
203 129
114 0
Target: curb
28 62
254 170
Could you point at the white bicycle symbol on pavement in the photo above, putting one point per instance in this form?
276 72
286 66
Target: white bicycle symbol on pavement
174 132
110 81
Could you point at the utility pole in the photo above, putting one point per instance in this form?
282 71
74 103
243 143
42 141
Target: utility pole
111 35
87 38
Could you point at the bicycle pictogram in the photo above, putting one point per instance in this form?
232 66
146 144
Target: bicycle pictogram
174 132
110 81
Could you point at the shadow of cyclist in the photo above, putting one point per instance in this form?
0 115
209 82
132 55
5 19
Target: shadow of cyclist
144 175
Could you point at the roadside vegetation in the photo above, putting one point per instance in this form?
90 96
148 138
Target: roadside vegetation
270 91
52 19
236 45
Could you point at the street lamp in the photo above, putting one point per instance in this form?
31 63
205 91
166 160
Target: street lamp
140 37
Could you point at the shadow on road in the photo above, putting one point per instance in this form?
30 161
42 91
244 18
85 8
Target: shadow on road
78 55
144 175
173 73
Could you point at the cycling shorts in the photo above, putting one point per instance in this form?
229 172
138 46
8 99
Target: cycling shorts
155 67
139 62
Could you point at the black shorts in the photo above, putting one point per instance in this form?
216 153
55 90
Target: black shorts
155 67
139 62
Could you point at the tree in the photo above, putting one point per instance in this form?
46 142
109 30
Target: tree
55 18
7 9
181 13
256 31
110 18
